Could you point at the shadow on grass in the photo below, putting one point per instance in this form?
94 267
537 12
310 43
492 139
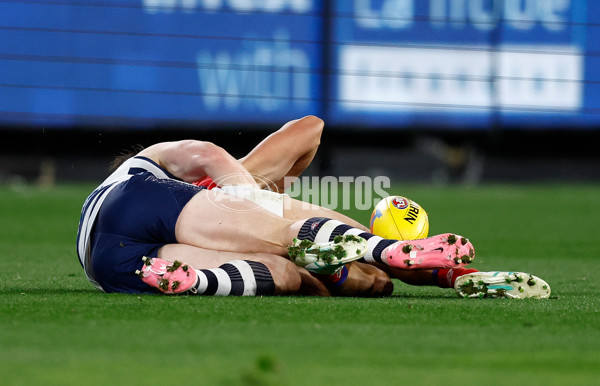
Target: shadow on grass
48 291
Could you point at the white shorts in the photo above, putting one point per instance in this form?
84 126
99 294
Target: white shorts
271 201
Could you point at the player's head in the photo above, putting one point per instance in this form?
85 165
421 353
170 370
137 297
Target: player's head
124 156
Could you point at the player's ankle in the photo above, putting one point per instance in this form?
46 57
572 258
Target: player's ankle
445 277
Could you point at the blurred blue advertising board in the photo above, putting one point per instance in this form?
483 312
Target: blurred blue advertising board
375 63
159 62
465 63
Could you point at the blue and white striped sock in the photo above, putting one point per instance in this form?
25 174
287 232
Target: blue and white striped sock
235 278
323 230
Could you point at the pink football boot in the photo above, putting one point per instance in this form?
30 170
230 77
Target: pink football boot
170 278
442 251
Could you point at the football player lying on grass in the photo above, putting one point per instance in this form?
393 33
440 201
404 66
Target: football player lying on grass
289 151
148 217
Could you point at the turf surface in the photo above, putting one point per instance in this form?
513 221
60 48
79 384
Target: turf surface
56 329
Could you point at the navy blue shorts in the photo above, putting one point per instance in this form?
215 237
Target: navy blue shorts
136 219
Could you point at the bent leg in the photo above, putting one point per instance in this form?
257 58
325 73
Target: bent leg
218 221
296 210
287 277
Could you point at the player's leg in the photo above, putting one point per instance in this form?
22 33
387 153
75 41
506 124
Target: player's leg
360 279
253 233
442 277
294 209
472 283
376 280
440 251
218 221
404 253
209 272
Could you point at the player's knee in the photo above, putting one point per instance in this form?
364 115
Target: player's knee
285 275
292 277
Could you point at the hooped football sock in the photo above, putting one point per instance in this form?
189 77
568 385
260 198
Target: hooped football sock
323 230
445 277
237 278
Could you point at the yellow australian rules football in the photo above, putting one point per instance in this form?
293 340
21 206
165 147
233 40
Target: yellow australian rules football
400 218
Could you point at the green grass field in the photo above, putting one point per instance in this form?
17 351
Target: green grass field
56 329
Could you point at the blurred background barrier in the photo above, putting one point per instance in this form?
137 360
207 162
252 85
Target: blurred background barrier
422 90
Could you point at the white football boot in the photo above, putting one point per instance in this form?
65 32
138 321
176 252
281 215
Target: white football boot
327 258
512 285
